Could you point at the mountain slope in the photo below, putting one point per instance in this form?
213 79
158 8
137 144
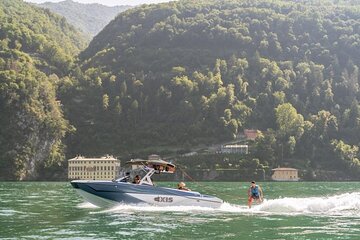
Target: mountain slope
184 73
90 18
36 48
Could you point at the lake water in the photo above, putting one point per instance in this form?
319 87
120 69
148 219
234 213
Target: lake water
303 210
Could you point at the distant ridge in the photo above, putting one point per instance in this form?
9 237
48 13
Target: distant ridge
90 18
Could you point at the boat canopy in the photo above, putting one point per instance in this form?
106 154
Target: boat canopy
160 165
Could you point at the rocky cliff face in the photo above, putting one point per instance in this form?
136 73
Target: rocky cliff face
37 145
32 125
34 45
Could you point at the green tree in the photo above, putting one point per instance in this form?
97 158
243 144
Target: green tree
290 123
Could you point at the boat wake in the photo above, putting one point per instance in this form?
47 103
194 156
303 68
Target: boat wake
347 204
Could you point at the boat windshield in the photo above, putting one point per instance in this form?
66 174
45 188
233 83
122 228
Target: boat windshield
146 168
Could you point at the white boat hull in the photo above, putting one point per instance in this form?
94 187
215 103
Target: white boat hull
108 194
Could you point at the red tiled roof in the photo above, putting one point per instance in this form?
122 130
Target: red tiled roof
250 133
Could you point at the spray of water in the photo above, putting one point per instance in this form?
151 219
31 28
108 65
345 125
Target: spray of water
347 204
86 205
343 204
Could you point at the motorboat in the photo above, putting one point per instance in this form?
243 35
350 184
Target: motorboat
124 191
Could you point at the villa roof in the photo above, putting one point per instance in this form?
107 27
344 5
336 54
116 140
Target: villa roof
251 133
104 158
284 169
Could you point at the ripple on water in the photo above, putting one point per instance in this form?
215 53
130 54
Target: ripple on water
59 214
36 237
68 232
125 233
6 194
77 222
9 212
118 223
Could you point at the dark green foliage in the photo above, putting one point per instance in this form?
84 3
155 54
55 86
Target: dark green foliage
49 40
191 72
229 166
182 74
90 18
33 42
32 123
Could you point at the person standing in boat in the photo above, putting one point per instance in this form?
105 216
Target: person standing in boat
254 193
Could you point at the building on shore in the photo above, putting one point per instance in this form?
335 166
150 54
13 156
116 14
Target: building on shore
285 174
103 168
251 134
234 148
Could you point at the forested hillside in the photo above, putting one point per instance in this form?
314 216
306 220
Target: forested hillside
198 72
171 77
37 49
90 18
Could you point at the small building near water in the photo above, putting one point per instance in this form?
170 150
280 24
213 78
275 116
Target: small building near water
285 174
103 168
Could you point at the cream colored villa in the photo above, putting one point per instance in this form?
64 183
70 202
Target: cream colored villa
285 174
104 168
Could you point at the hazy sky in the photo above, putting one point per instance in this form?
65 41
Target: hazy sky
106 2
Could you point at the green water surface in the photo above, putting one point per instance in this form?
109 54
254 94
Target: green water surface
301 210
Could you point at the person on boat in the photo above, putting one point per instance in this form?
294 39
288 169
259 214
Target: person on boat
136 179
182 186
255 193
158 168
